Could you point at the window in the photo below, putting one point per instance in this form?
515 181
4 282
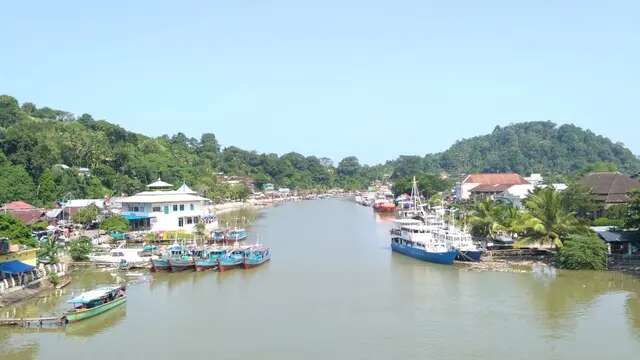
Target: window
189 220
196 219
156 209
133 208
175 207
166 209
180 222
192 207
181 207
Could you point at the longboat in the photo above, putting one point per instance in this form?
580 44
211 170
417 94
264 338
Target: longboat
94 302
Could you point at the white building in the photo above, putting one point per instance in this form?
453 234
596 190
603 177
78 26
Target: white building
161 209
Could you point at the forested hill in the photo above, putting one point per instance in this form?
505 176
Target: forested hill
38 144
43 149
539 146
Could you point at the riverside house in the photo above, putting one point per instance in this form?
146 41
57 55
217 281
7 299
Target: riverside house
610 188
161 209
489 185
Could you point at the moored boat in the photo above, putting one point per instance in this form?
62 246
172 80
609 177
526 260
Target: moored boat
412 238
218 235
384 206
256 255
232 259
236 234
95 302
180 263
210 259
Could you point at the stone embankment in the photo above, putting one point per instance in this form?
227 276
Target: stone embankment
29 284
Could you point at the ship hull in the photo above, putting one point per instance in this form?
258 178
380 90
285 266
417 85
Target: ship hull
445 258
181 265
85 314
472 256
160 265
250 263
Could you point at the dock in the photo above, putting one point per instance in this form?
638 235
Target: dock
34 322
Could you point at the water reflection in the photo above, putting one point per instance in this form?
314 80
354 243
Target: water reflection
98 324
632 307
563 300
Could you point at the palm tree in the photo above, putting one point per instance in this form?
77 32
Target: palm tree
49 250
484 219
549 222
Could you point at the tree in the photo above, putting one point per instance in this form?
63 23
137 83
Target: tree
86 216
115 223
550 223
80 248
9 111
49 249
349 166
16 231
47 189
577 199
583 252
632 219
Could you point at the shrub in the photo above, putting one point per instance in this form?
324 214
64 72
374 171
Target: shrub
115 223
54 279
583 252
80 249
603 221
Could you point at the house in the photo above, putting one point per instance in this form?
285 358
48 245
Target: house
26 212
73 206
619 242
161 209
610 188
535 179
268 187
490 185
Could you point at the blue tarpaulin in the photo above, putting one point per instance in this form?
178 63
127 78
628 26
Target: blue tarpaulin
15 266
134 217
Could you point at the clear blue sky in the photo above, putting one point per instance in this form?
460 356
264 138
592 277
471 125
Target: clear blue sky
374 79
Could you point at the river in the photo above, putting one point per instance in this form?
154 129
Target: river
334 290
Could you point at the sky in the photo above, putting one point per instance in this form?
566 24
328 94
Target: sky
374 79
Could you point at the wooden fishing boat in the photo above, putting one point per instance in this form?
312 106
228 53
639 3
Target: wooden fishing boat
185 262
232 259
218 235
256 255
210 259
236 234
94 302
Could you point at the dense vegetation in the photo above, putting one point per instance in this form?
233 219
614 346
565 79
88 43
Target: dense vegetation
540 147
42 151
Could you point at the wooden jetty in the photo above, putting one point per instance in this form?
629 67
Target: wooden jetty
33 322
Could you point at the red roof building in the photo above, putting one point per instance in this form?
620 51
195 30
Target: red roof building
26 212
489 183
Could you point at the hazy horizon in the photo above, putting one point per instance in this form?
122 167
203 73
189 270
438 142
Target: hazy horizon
371 79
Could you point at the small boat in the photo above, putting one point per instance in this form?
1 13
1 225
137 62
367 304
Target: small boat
384 206
162 263
94 302
210 259
236 234
256 255
232 259
115 257
218 235
180 263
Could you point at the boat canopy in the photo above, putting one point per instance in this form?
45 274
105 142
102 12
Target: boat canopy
93 295
15 267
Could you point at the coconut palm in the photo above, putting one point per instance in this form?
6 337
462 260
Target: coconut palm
484 219
48 251
549 222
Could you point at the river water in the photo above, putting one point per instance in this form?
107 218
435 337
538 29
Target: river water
334 290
